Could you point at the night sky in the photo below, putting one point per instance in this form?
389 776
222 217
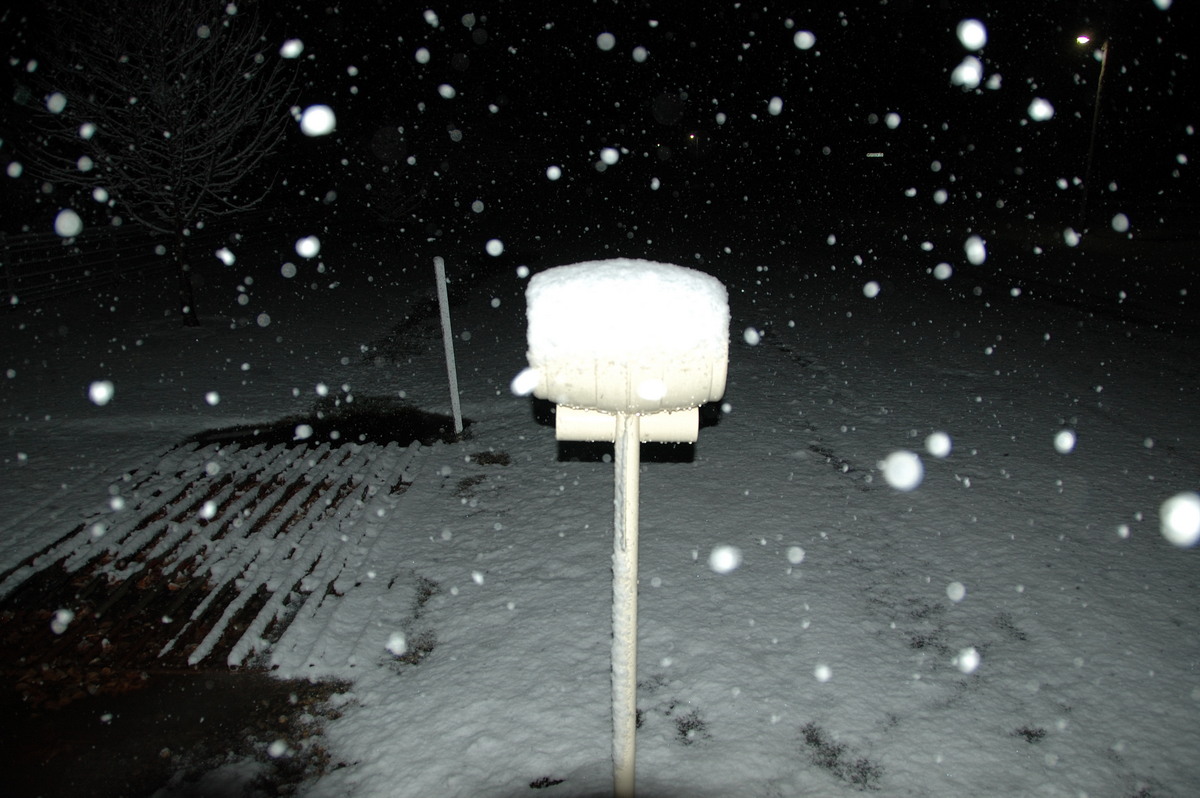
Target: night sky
533 88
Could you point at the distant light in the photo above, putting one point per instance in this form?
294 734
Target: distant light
874 154
1083 38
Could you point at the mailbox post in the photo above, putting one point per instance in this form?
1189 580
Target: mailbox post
628 350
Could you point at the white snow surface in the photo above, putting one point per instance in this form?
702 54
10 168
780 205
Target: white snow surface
832 653
625 309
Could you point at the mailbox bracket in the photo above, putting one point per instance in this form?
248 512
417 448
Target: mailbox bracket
668 426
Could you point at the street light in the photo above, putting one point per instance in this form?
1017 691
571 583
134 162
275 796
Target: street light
1084 38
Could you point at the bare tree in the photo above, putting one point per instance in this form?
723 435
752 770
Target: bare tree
168 107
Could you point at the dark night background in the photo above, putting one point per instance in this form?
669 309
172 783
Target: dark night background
534 89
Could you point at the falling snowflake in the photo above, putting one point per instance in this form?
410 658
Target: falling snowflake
1040 110
317 120
972 34
724 559
308 247
1180 519
67 223
101 392
804 40
903 470
968 74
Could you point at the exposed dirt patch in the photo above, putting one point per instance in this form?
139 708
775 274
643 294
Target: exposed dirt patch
491 457
172 728
338 421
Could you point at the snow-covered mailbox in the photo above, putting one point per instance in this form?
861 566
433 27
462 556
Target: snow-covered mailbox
628 350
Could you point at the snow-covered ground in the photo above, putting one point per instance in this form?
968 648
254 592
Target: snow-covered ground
1016 624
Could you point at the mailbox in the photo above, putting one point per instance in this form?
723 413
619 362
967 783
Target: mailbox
628 350
627 337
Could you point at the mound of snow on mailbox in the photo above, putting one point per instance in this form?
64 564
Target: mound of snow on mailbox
626 336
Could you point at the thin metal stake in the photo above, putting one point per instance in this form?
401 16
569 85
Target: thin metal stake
439 267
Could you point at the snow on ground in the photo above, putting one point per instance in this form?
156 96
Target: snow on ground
1014 625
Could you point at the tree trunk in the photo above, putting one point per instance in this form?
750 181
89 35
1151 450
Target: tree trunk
187 297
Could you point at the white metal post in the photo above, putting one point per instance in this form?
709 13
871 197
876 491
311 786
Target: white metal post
439 268
625 587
